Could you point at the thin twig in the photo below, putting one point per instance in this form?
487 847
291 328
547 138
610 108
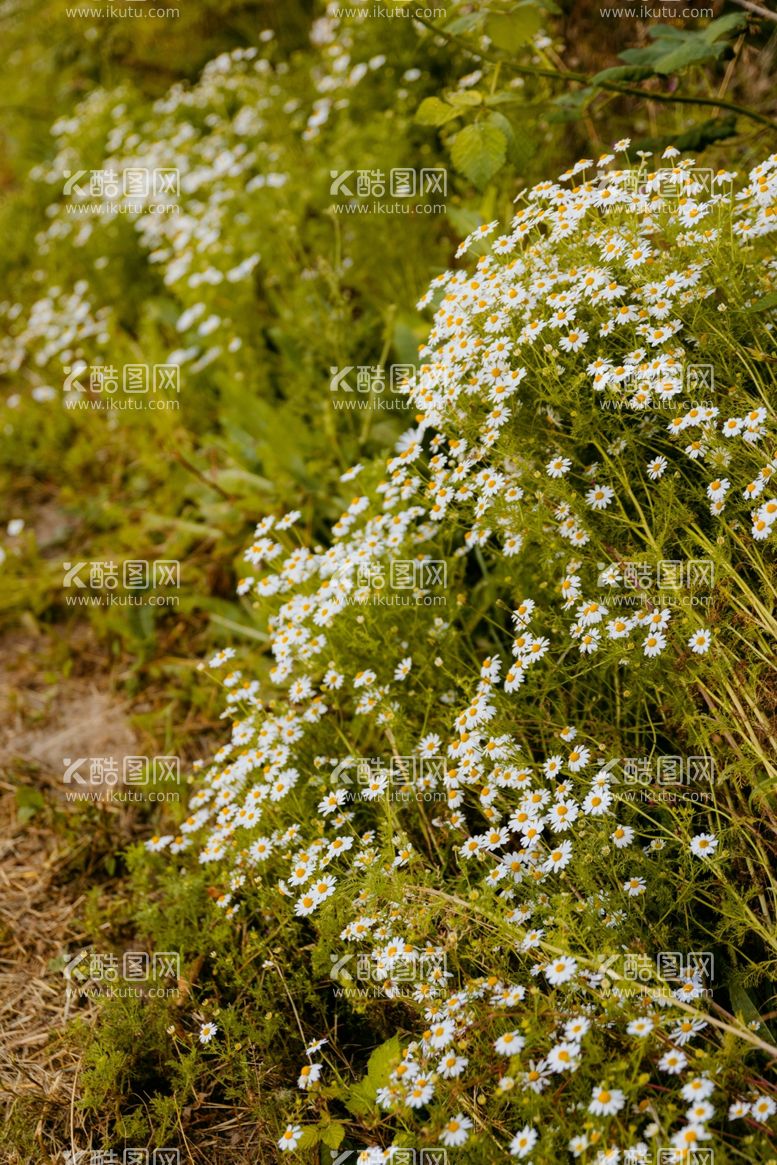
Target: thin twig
756 9
611 86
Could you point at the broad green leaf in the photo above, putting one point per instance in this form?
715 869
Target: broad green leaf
744 1007
766 303
521 149
382 1060
432 111
409 332
465 97
716 129
724 24
231 479
511 30
310 1136
503 98
463 220
697 138
332 1135
623 73
665 38
674 49
693 52
466 23
570 106
478 151
29 801
241 628
361 1097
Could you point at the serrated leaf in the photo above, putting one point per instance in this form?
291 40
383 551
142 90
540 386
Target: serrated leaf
332 1135
310 1137
432 111
674 49
519 150
361 1097
510 30
478 151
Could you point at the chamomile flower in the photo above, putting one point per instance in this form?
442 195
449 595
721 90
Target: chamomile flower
561 970
456 1131
640 1027
451 1066
576 1028
606 1101
599 497
309 1074
558 467
574 340
558 858
654 644
290 1138
564 1057
699 1088
316 1046
523 1142
509 1044
763 1108
700 641
622 836
703 845
207 1032
673 1062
